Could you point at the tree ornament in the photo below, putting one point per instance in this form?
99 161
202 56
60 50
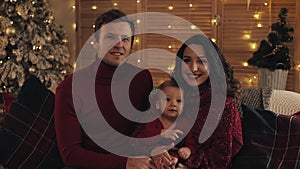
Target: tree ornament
10 31
2 54
37 47
31 70
48 38
50 57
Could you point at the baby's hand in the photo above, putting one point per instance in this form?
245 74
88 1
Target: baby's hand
171 134
184 152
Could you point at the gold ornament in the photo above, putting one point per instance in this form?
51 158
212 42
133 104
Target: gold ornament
48 38
37 48
2 54
48 20
31 70
10 31
50 57
65 40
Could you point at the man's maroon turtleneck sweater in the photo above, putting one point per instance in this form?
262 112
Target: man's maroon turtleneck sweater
76 147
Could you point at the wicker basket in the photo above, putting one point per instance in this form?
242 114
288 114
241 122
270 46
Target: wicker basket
272 79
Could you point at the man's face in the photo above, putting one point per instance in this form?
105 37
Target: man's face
114 43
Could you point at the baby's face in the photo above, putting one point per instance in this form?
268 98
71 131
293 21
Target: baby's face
172 103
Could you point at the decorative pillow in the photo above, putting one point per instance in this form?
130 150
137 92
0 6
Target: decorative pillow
271 140
27 133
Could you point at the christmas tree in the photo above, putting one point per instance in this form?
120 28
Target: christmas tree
274 54
30 44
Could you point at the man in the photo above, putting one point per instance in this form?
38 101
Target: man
73 105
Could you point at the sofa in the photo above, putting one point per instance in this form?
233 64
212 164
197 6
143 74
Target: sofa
271 129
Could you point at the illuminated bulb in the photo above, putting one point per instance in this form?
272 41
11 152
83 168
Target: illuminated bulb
247 36
245 64
73 6
92 43
139 60
169 26
137 41
253 45
138 1
74 65
256 16
259 25
254 77
214 21
115 4
250 80
1 61
298 66
11 22
170 7
266 4
138 21
193 27
93 26
169 68
213 39
190 5
74 26
94 7
169 46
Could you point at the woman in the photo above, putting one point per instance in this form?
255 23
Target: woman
216 135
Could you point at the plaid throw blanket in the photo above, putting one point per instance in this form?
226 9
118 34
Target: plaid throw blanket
271 141
27 133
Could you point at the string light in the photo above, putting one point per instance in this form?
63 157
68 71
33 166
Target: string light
190 5
138 1
253 45
138 21
245 64
265 4
94 7
214 40
193 27
246 36
259 25
73 6
170 7
257 16
74 26
115 4
170 46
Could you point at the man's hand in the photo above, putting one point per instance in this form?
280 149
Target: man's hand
140 163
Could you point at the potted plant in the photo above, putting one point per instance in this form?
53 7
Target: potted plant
272 57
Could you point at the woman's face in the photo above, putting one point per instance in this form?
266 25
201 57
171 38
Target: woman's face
195 70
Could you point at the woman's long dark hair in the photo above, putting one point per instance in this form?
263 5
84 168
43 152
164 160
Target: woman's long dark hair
213 54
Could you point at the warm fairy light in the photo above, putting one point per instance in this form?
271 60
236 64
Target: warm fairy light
73 6
74 26
170 7
257 16
298 67
138 21
139 60
170 46
214 21
137 40
253 45
245 64
94 7
93 26
74 65
190 5
259 25
254 77
92 43
193 27
169 26
214 40
266 4
115 4
246 36
1 61
11 22
138 1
